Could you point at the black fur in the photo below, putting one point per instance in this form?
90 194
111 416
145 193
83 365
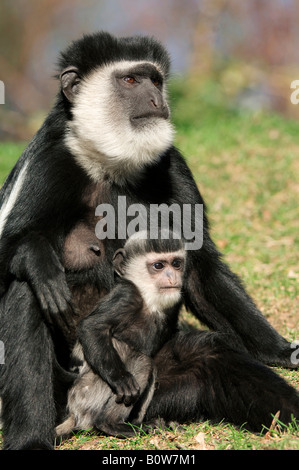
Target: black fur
131 329
202 377
119 339
102 49
37 279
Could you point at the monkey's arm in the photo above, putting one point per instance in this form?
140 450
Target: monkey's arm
38 203
95 333
36 263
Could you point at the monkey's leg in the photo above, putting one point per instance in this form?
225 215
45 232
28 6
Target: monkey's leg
115 418
200 377
28 411
146 376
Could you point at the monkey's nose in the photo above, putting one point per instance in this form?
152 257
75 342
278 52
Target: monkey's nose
160 109
170 278
156 99
96 249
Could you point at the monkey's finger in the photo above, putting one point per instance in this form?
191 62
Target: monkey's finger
68 316
54 310
60 302
65 319
119 398
121 394
61 291
44 307
46 301
132 392
131 398
62 299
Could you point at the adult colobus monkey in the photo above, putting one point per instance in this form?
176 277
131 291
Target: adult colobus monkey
108 135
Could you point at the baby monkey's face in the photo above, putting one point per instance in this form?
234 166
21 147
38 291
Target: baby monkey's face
166 271
157 275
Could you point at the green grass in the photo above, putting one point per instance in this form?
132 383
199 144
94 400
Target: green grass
246 166
203 436
9 154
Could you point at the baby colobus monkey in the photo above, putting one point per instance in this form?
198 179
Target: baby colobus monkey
126 330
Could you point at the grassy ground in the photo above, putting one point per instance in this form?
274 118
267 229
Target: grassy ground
247 167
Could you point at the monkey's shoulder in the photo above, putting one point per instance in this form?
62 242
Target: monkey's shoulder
124 296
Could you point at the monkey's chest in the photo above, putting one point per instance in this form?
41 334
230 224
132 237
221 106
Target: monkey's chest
88 274
82 249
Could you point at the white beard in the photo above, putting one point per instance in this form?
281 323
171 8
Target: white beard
100 138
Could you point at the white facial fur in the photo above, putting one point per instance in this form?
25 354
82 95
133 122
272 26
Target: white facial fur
136 272
101 136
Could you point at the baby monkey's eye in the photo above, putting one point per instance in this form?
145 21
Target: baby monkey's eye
158 265
177 263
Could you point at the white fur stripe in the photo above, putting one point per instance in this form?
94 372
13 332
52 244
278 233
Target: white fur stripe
11 199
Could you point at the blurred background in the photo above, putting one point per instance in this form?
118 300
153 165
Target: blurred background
243 55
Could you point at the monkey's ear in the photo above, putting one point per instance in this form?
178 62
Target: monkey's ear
70 79
118 261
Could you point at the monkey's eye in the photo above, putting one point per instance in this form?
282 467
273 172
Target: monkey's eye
158 265
157 83
130 80
177 263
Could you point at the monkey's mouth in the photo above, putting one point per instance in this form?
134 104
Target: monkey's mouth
169 288
163 113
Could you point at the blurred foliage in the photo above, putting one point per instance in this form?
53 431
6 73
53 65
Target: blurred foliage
245 53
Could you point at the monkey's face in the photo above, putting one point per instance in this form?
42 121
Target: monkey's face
165 271
120 118
159 277
140 89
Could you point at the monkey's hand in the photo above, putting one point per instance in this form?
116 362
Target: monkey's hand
36 262
126 389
